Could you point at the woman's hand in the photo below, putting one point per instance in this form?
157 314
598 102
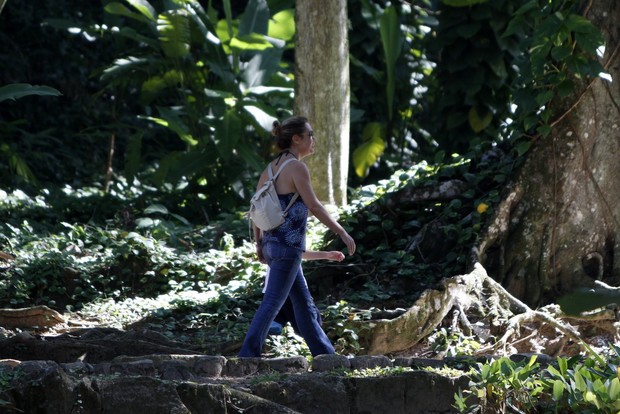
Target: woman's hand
335 256
348 241
259 252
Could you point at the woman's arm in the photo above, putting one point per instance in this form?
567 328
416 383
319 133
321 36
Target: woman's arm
333 255
301 180
258 234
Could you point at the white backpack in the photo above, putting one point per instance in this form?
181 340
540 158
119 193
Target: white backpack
265 209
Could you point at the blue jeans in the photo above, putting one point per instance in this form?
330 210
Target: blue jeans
286 279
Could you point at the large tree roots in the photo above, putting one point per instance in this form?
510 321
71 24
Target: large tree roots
477 307
33 317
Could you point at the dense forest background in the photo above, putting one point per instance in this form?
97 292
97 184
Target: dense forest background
133 182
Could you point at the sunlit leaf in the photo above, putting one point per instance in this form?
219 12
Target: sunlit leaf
282 25
121 10
558 389
144 7
170 119
156 208
153 86
252 41
122 67
614 389
174 34
224 32
261 117
371 149
144 222
271 90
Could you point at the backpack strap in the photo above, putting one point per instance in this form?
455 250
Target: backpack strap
290 203
271 174
273 177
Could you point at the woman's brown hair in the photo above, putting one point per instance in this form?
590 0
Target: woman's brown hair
284 131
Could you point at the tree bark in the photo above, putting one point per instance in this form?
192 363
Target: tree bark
557 229
322 92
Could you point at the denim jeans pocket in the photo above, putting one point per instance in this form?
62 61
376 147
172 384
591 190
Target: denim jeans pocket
279 251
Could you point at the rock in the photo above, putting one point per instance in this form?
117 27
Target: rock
313 393
209 366
175 371
416 392
326 362
143 367
413 362
370 361
138 395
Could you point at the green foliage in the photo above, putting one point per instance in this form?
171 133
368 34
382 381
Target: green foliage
386 51
591 385
392 39
341 322
372 148
377 372
77 263
448 343
502 64
287 344
188 95
588 384
502 385
406 246
19 90
215 84
52 136
17 163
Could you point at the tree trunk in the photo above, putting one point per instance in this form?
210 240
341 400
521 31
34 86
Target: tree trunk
322 92
558 227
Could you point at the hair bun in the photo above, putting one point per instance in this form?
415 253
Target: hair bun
277 129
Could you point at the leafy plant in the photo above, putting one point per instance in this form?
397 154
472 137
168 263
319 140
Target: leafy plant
287 344
216 85
502 385
19 90
591 385
517 58
340 322
584 384
448 343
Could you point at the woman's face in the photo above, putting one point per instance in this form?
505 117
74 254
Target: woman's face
306 144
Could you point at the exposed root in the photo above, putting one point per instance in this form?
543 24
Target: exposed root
36 316
510 325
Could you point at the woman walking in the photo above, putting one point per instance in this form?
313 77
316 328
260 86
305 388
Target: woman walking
282 247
